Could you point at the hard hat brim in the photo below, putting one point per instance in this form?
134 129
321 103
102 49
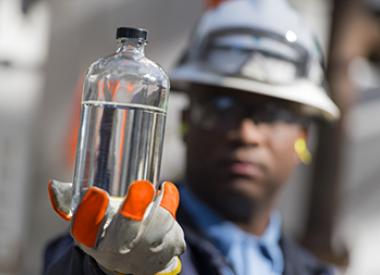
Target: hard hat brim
300 91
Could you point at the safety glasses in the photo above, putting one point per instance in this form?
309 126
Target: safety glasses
224 113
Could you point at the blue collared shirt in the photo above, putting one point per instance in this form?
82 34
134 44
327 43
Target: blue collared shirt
248 254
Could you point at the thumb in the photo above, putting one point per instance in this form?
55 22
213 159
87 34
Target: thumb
60 194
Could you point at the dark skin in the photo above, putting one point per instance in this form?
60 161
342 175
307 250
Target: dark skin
240 172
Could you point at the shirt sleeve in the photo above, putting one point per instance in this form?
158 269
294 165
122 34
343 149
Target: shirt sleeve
74 261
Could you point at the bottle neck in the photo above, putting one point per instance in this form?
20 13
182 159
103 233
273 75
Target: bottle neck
131 45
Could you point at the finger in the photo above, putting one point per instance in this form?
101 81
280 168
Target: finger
89 216
170 197
140 195
60 194
123 231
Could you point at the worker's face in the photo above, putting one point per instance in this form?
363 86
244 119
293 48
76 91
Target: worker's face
240 149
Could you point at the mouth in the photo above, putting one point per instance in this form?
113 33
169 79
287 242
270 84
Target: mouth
243 168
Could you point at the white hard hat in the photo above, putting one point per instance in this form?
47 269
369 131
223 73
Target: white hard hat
258 46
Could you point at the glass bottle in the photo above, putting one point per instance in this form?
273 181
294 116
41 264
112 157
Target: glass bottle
123 116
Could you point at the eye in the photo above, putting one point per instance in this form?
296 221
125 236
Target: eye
223 103
263 113
284 115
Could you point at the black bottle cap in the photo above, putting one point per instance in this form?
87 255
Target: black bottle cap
128 32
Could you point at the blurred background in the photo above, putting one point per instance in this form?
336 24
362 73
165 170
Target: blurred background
45 47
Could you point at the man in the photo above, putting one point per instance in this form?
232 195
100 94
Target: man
254 77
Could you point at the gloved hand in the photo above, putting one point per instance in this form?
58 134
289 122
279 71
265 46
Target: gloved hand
136 235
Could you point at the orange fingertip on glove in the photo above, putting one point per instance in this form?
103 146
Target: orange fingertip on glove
170 199
89 216
140 195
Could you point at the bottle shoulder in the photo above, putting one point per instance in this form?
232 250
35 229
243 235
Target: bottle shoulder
126 79
119 66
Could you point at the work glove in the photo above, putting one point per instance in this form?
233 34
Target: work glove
135 235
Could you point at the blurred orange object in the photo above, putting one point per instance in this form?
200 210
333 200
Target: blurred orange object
213 3
73 127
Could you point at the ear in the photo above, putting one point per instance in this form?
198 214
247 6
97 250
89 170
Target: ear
304 133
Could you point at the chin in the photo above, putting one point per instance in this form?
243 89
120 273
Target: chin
236 204
244 188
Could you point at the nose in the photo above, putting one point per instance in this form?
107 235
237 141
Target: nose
247 132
